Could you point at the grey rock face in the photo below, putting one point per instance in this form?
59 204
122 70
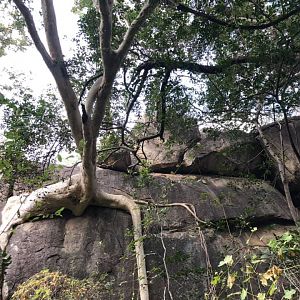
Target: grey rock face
274 134
86 246
119 161
228 154
214 198
98 242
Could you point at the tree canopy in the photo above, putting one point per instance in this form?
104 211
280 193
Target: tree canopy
209 61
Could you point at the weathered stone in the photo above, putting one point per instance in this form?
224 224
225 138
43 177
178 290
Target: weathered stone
158 152
96 244
214 198
82 247
277 135
119 161
229 154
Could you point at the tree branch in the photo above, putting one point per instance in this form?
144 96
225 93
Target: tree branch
135 26
102 97
51 31
33 32
280 163
194 67
105 31
54 62
86 85
112 60
163 104
92 94
214 19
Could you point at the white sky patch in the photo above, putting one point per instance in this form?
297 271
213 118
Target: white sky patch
30 62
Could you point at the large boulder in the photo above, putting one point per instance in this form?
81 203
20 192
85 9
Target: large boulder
119 161
98 244
277 135
214 198
232 153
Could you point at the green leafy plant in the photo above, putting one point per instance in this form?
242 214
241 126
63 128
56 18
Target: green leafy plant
261 273
47 285
56 214
29 145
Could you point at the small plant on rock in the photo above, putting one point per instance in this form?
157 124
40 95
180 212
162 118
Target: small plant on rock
47 285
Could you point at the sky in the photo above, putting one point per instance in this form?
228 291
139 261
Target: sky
30 61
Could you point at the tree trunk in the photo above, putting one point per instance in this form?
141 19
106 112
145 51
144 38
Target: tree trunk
281 167
76 195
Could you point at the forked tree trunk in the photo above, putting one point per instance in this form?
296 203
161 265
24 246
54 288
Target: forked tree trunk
83 190
72 195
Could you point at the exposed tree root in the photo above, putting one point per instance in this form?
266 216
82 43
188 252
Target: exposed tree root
70 195
129 205
67 194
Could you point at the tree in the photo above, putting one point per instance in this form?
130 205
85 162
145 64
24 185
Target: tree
204 41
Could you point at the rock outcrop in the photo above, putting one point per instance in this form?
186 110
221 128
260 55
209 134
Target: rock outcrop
98 243
277 135
203 176
208 153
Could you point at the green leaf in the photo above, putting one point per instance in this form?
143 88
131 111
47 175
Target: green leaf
58 213
288 294
59 158
287 237
216 280
272 288
243 294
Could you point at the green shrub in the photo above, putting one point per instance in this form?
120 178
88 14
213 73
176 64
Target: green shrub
47 285
266 273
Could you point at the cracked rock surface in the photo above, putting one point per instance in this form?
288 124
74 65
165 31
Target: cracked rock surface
98 242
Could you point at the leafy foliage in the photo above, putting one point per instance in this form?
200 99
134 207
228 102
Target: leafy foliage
12 31
34 132
261 273
252 64
47 285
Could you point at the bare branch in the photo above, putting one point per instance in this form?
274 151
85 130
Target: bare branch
163 104
195 67
51 31
280 163
131 105
33 32
135 97
135 26
103 94
92 94
105 9
86 85
112 60
54 62
214 19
